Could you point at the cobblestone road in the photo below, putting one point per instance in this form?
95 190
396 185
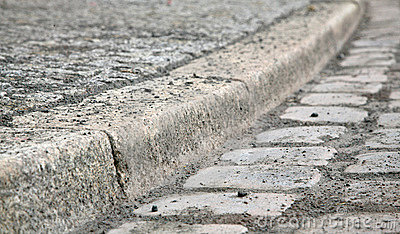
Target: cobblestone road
57 52
326 160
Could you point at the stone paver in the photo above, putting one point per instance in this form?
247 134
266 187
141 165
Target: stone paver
394 104
325 114
260 204
311 135
381 192
366 61
378 162
367 50
299 156
166 228
348 87
373 43
375 78
384 138
395 94
327 99
255 177
389 120
351 223
355 71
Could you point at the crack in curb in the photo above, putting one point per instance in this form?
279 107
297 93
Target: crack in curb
121 167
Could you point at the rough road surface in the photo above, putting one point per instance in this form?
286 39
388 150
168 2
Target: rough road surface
326 160
62 166
59 52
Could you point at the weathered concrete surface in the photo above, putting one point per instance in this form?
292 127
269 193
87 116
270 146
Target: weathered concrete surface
311 135
166 228
298 156
259 204
264 177
327 99
325 114
157 126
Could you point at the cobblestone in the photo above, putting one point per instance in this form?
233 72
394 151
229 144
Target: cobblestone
325 114
395 94
382 192
348 87
379 162
263 204
386 138
374 78
328 99
389 120
255 177
299 156
311 135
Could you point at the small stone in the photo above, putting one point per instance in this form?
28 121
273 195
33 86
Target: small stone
242 194
154 208
314 115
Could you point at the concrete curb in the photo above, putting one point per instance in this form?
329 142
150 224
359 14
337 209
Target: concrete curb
76 166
